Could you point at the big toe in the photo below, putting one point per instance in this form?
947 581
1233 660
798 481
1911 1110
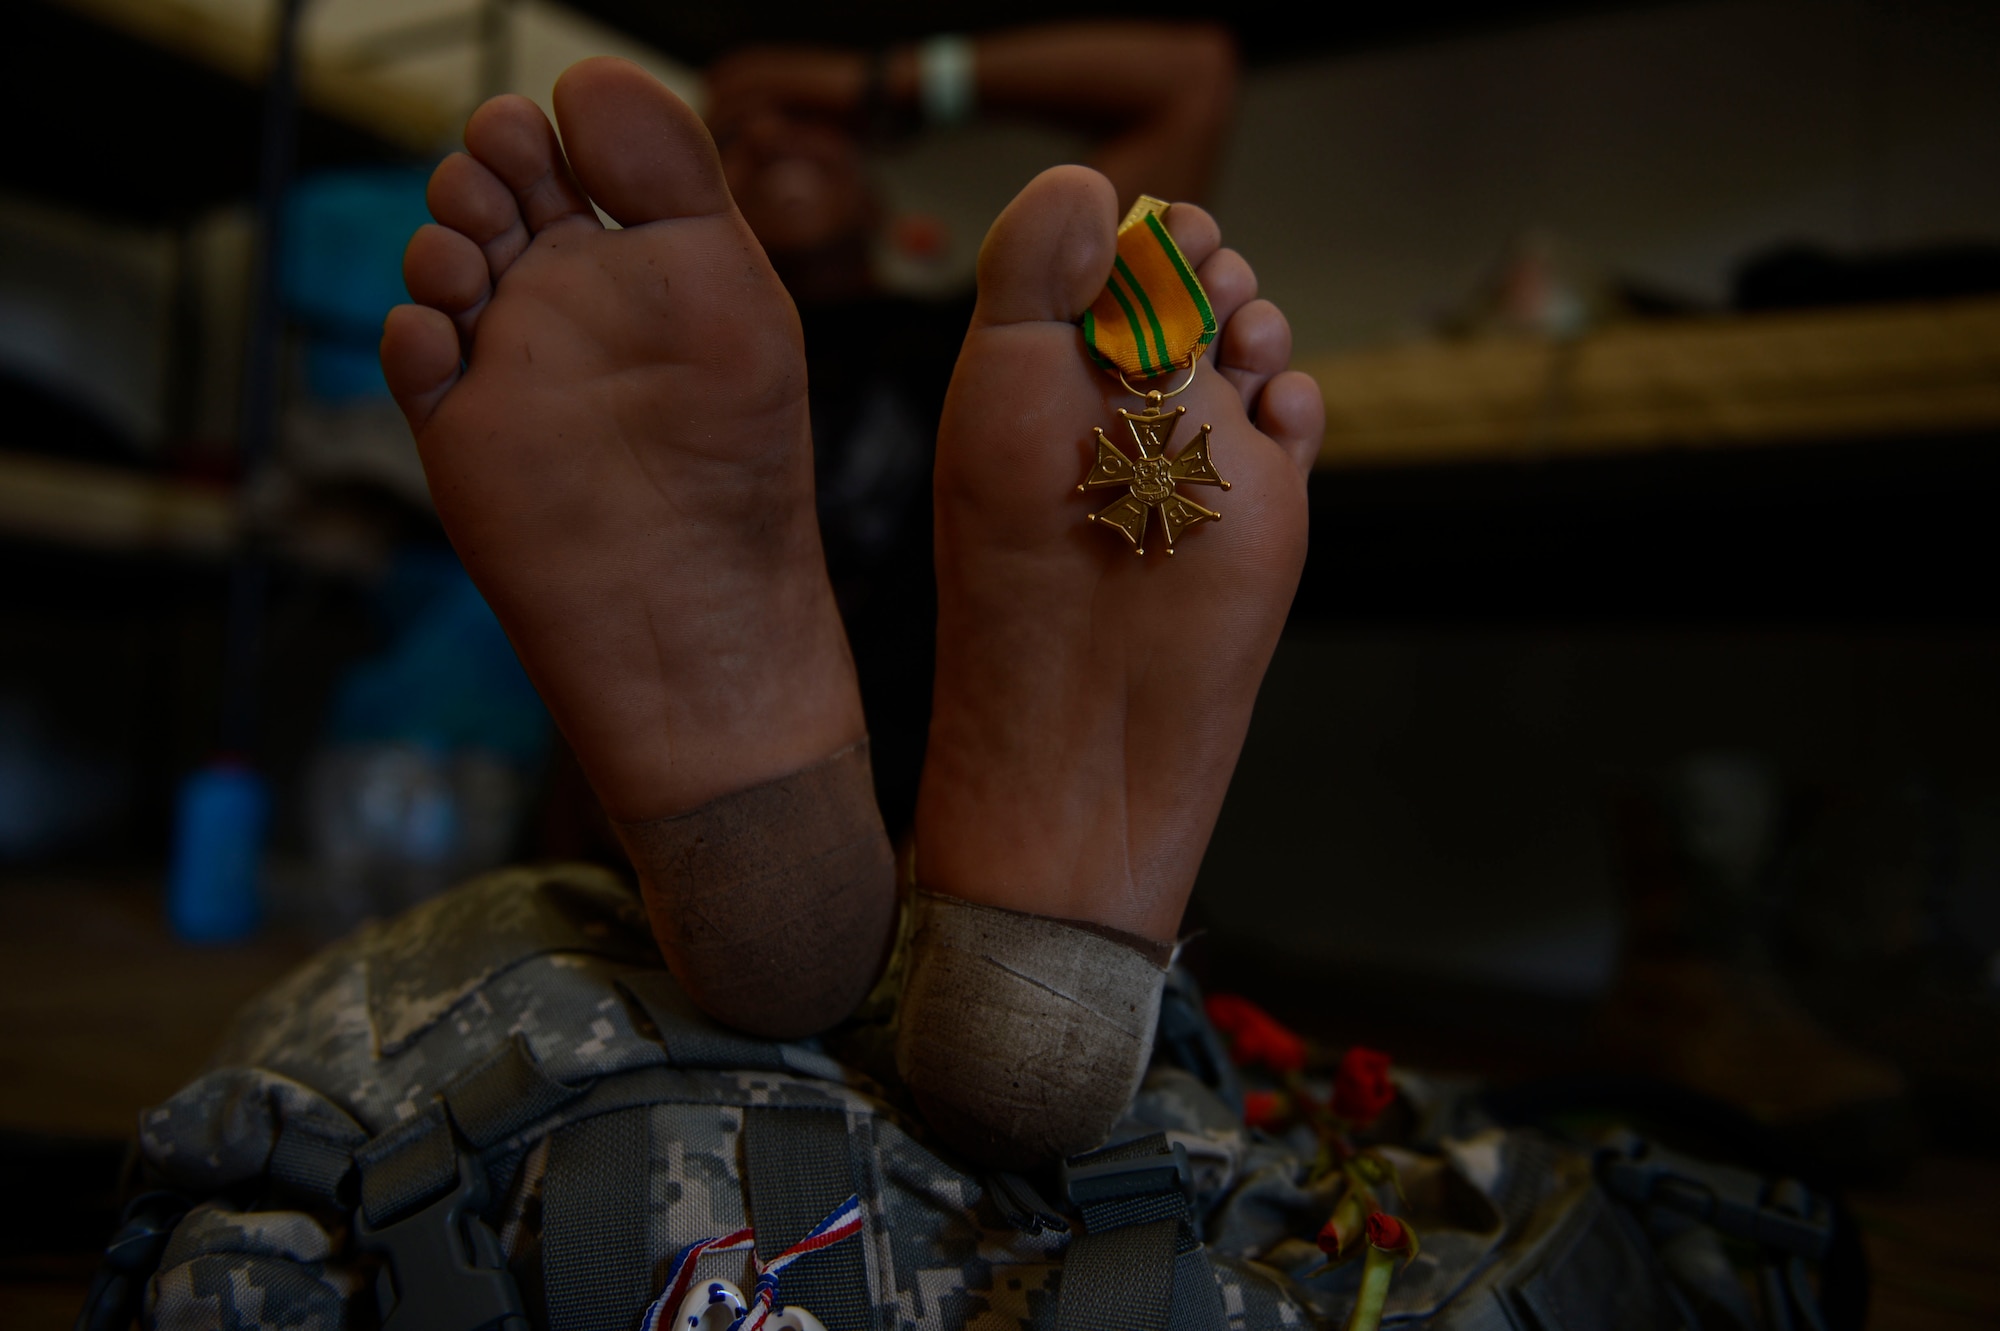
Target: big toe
1050 252
638 150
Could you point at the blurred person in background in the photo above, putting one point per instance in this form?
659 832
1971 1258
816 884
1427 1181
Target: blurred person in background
792 123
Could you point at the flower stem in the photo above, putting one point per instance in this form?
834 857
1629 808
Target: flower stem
1376 1269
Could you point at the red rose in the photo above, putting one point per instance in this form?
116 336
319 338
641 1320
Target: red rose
1329 1238
1254 1035
1264 1109
1361 1086
1386 1232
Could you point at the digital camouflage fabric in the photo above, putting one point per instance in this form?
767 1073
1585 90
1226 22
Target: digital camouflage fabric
629 1129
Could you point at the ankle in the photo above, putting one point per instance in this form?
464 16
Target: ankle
774 905
1024 1038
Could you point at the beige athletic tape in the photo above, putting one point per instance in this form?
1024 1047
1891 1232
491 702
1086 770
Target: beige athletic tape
774 905
1024 1037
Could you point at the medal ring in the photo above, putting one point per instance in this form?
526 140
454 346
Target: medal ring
1194 362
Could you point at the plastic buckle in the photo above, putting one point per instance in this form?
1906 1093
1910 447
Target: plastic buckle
445 1270
1023 1207
1088 1182
1736 1203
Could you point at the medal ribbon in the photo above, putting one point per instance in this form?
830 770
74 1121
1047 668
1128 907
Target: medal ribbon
1152 316
844 1223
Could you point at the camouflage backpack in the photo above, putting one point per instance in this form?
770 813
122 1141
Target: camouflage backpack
498 1112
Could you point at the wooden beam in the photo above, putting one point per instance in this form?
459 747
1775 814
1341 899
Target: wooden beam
106 508
1817 376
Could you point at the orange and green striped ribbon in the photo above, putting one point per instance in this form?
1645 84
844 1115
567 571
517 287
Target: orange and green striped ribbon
1152 316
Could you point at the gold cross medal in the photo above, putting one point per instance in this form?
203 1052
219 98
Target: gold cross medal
1151 320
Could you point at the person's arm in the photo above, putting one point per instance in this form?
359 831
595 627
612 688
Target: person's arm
1159 94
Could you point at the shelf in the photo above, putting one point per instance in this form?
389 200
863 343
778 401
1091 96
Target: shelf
1879 372
107 508
234 38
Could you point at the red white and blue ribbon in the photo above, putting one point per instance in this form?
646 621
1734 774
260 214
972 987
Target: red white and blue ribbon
680 1277
844 1223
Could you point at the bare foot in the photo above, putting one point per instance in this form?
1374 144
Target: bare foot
624 460
1091 704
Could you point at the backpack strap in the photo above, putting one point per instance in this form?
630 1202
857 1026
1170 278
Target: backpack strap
407 1166
503 1093
423 1189
421 1197
597 1259
314 1159
691 1038
597 1266
1139 1266
417 1160
801 1169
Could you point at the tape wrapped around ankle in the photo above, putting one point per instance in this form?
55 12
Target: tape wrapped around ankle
1024 1037
774 905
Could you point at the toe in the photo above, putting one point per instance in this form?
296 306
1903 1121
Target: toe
467 197
1230 283
419 359
1197 233
443 269
511 137
1255 344
1050 252
1293 414
637 148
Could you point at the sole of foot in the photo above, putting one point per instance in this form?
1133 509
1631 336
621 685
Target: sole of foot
613 421
1090 704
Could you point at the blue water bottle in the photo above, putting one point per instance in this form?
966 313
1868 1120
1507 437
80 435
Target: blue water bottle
218 853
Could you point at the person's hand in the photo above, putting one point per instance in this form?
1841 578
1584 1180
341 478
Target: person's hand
790 79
